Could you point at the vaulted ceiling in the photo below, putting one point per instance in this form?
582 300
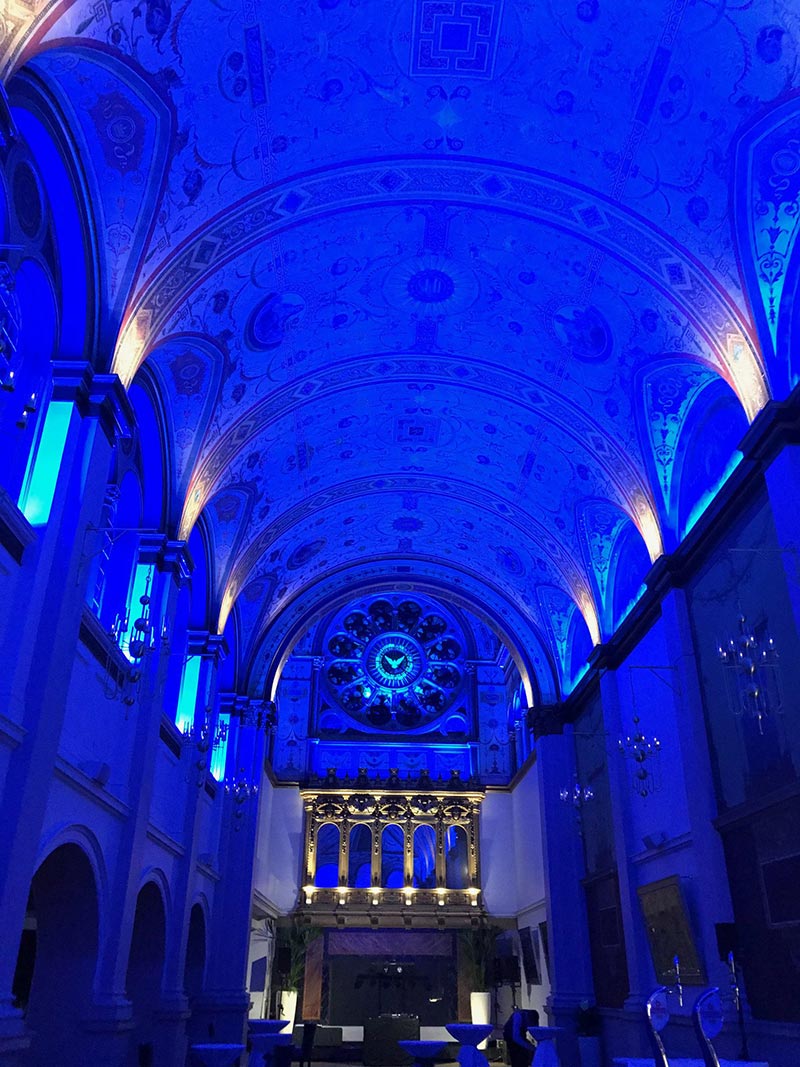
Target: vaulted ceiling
439 290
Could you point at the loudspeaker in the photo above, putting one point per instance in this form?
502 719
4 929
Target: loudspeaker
506 970
726 939
283 959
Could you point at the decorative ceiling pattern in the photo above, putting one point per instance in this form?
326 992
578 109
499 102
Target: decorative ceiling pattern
455 291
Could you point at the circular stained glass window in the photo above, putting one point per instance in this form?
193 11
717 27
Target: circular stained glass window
394 663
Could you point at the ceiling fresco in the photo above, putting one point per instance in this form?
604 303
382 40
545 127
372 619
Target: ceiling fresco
452 286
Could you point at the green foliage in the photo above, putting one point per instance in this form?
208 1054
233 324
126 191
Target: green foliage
478 946
297 939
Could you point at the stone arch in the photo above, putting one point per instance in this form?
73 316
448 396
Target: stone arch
146 963
59 950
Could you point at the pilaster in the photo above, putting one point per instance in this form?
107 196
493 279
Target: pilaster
570 959
222 1011
170 566
39 653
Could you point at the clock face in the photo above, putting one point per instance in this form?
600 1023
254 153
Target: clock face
394 661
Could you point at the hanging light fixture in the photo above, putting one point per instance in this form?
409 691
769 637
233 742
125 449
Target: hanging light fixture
141 642
241 789
577 795
643 752
752 664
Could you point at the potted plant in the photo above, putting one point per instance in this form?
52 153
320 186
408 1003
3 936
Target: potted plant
296 939
477 950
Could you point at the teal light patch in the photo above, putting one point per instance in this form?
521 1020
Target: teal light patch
184 716
44 463
220 751
135 607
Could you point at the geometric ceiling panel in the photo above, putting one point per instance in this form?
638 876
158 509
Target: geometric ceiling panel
436 286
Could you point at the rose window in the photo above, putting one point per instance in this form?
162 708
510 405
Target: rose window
394 663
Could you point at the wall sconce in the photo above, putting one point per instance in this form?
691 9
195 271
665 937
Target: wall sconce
376 895
342 895
441 900
473 896
309 892
408 893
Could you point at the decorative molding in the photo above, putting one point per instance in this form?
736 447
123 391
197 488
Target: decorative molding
85 785
170 735
163 840
96 639
11 733
16 533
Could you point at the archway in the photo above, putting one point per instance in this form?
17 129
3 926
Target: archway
195 968
145 967
58 957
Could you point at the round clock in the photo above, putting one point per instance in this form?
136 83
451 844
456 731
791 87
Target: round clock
394 660
394 663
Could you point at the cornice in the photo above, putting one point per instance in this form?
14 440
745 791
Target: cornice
16 533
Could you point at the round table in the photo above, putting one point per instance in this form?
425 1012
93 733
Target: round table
546 1054
469 1036
424 1052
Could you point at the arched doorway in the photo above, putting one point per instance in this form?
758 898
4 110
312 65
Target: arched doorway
58 957
194 969
145 968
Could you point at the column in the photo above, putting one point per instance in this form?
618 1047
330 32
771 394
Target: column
713 904
224 1008
39 651
111 1020
772 444
570 959
783 485
641 976
174 1011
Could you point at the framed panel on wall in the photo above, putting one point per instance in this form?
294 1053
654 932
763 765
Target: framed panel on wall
669 932
527 938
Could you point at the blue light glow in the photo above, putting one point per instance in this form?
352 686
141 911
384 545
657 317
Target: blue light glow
220 752
187 699
44 463
708 496
142 576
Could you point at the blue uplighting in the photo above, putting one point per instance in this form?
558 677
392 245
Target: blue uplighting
44 464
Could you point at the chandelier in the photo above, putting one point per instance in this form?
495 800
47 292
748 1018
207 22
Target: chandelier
642 751
577 795
135 647
241 789
751 670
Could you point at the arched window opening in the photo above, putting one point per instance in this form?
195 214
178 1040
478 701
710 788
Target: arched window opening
456 862
109 585
359 866
326 875
424 858
392 857
44 458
